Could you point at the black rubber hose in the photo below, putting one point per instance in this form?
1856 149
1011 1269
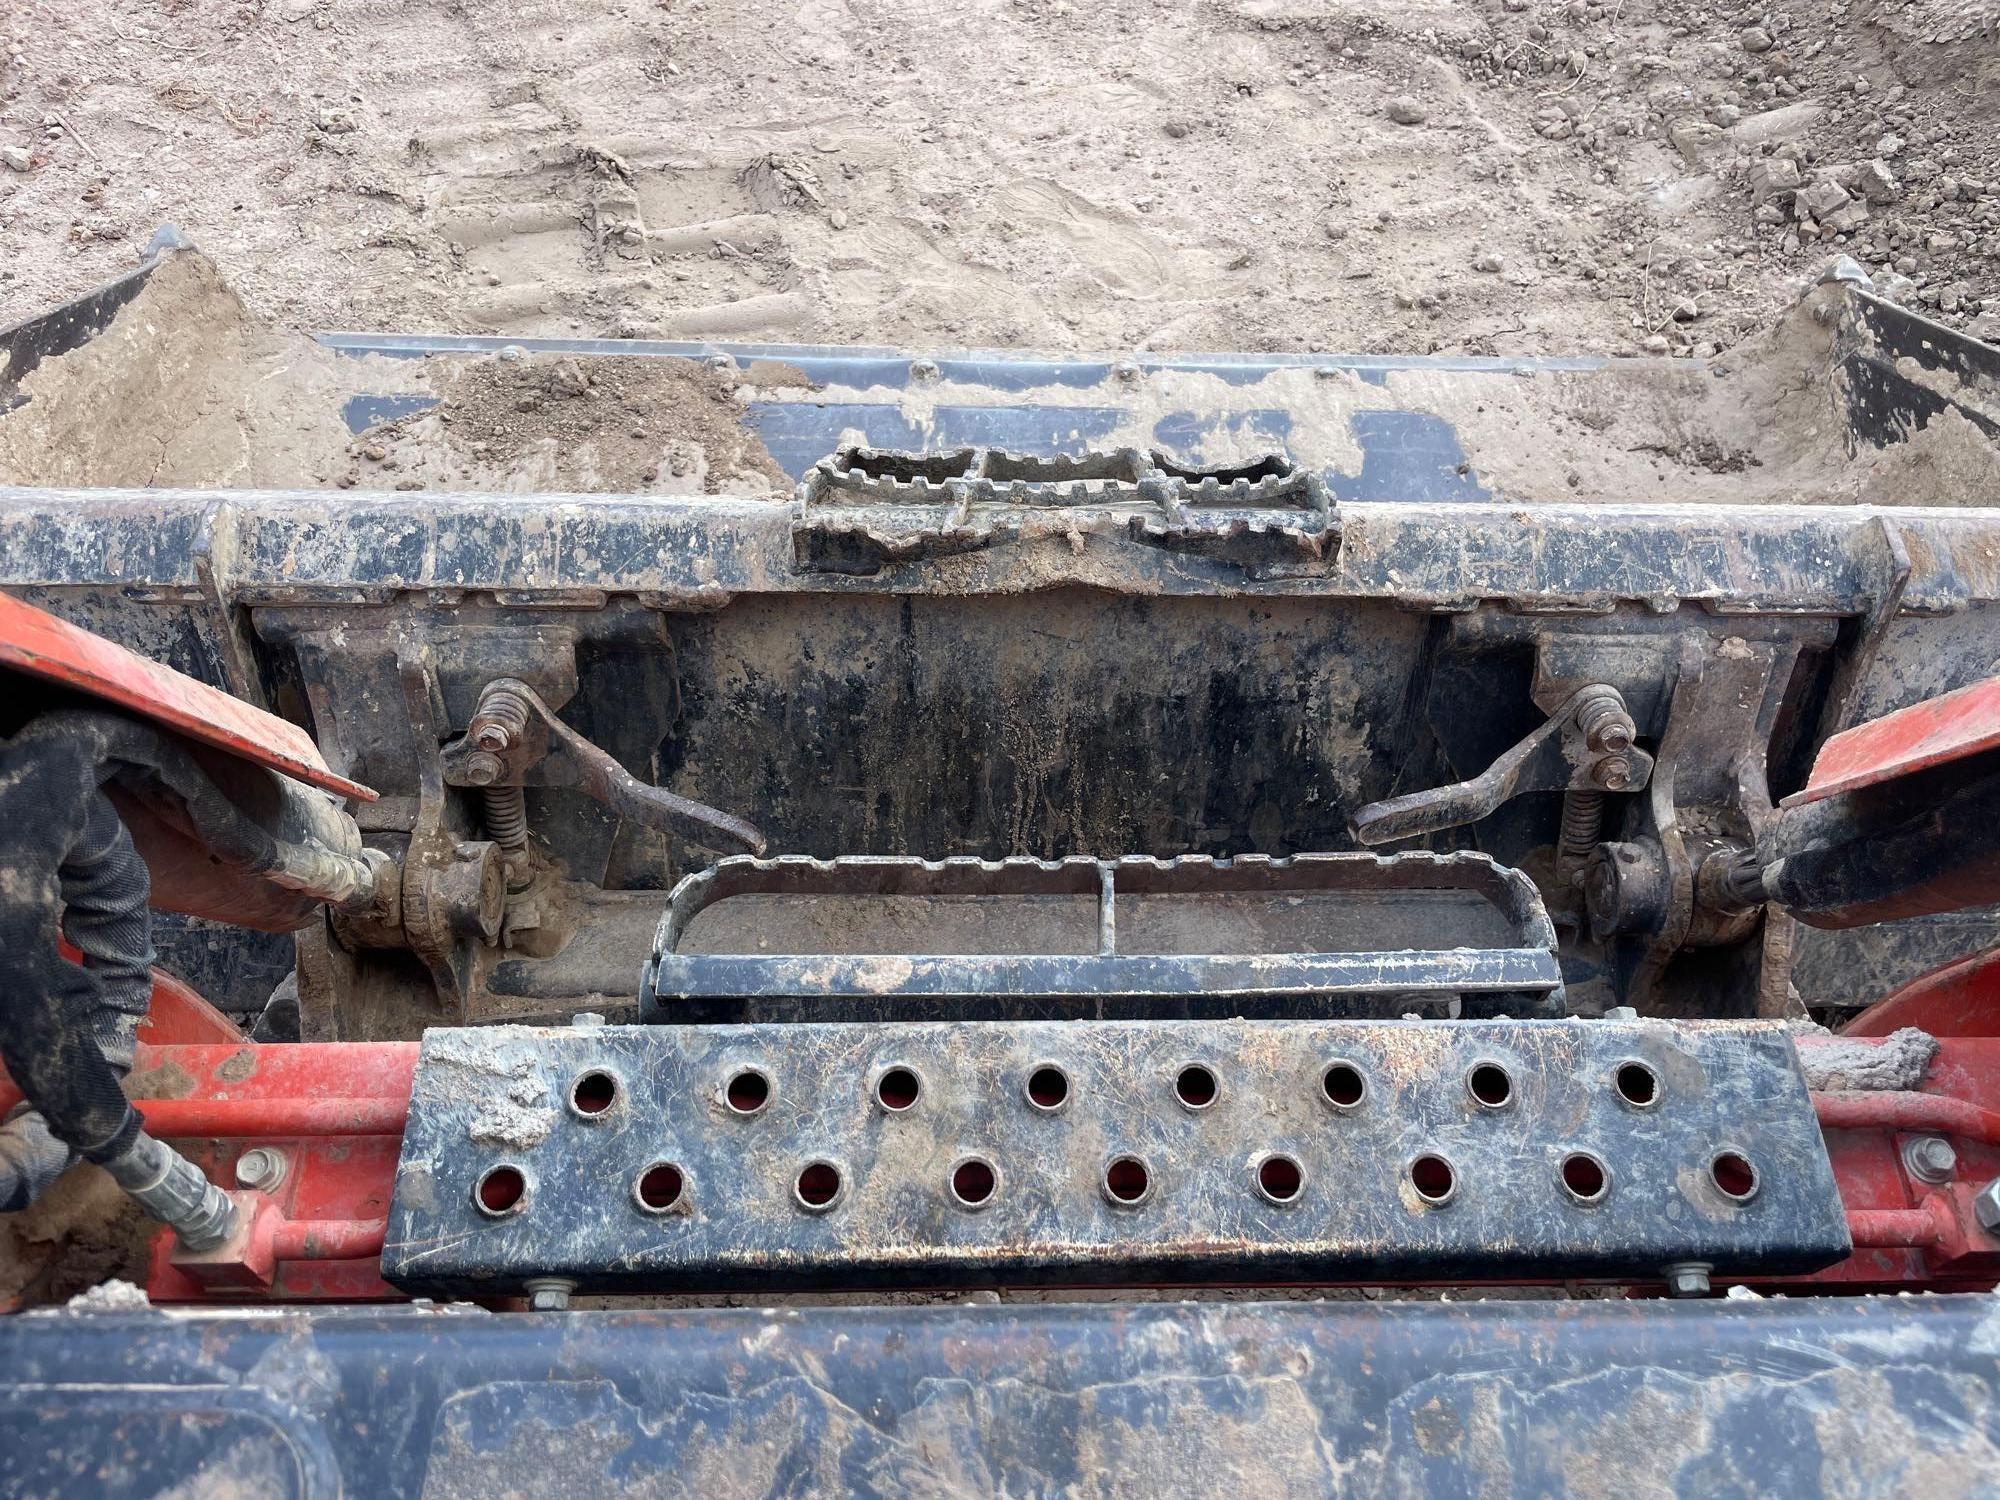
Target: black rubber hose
54 839
106 893
104 888
170 778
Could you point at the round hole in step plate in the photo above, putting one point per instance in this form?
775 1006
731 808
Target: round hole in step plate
974 1182
1343 1086
1196 1087
1490 1085
1585 1177
593 1094
660 1188
819 1186
1637 1084
501 1191
748 1091
1128 1181
1280 1178
898 1089
1048 1088
1434 1178
1733 1176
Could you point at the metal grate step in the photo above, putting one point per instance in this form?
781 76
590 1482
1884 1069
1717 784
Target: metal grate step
843 1155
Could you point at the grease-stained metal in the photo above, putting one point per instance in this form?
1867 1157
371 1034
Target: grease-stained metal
544 751
1583 749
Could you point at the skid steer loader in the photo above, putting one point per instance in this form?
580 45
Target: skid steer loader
1148 924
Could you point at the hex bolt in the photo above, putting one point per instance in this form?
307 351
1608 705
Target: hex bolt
1930 1158
1126 370
587 1018
923 369
1613 773
548 1293
482 768
1986 1207
1688 1278
260 1169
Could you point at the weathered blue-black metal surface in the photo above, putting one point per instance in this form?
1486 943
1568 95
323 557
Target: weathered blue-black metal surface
25 344
908 1154
860 508
171 546
859 938
1404 455
1902 369
1090 687
1846 1397
1006 701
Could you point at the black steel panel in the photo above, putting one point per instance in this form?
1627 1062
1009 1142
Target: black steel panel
1901 369
281 548
504 1099
1847 1396
109 1440
25 344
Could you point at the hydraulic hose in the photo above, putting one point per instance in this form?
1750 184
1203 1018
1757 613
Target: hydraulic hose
67 1030
104 888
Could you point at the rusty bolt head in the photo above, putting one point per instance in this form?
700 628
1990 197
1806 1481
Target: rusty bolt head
1615 733
482 768
1613 773
1930 1158
260 1169
1605 724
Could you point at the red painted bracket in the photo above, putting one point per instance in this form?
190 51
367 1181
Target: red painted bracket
36 642
1949 727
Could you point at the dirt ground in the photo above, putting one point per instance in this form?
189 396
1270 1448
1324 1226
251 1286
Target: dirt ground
187 386
1487 176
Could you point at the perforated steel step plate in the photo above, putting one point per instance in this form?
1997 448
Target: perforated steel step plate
845 1155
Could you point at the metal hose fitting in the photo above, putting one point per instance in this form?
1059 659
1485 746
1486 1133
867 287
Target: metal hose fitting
173 1190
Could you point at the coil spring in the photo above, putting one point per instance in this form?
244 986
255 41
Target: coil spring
502 715
1582 823
507 817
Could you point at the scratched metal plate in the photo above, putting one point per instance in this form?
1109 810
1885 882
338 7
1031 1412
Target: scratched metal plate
865 938
498 1101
